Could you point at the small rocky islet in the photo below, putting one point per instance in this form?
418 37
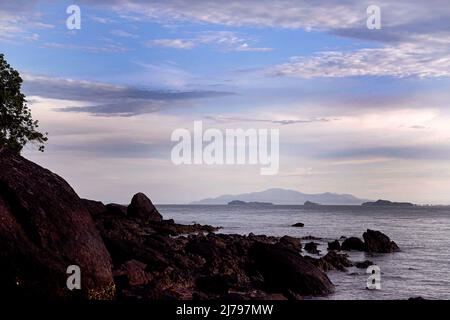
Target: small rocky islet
133 253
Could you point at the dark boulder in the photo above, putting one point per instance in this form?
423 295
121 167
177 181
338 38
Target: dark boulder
363 264
116 209
171 228
376 241
334 245
95 208
132 273
310 237
44 228
298 225
311 247
353 243
337 261
285 271
141 207
331 261
217 284
291 242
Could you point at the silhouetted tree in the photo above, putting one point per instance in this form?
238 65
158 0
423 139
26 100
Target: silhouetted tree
17 127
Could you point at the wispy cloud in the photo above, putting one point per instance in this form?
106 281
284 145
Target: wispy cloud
402 60
113 100
224 119
171 43
107 48
223 40
124 34
325 15
407 152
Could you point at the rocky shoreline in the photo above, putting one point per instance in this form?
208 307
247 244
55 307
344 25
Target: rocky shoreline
132 253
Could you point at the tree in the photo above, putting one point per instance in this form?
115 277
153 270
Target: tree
17 126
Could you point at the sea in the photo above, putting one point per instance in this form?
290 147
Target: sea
422 268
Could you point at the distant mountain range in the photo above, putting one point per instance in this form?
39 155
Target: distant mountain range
285 196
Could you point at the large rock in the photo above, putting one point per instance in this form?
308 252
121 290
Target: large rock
298 225
376 241
44 228
291 242
337 261
286 271
95 208
311 247
353 243
363 264
331 261
141 207
334 245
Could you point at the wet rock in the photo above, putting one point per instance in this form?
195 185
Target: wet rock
285 271
334 245
353 243
141 207
291 242
171 228
331 261
310 237
376 241
363 264
298 225
311 247
338 261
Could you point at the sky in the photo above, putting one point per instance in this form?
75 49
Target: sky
360 111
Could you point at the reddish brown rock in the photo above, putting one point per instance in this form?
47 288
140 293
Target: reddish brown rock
141 207
44 228
311 247
334 245
376 241
134 272
287 272
353 243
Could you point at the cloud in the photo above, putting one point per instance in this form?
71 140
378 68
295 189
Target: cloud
107 48
116 147
221 119
108 99
171 43
404 60
124 108
295 14
18 21
261 13
102 20
223 40
405 152
418 127
413 41
123 34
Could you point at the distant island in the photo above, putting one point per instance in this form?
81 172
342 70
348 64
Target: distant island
387 203
311 204
253 203
286 197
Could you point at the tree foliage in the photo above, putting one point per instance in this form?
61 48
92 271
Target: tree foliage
17 126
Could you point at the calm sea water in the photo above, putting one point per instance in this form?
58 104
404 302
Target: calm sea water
422 268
